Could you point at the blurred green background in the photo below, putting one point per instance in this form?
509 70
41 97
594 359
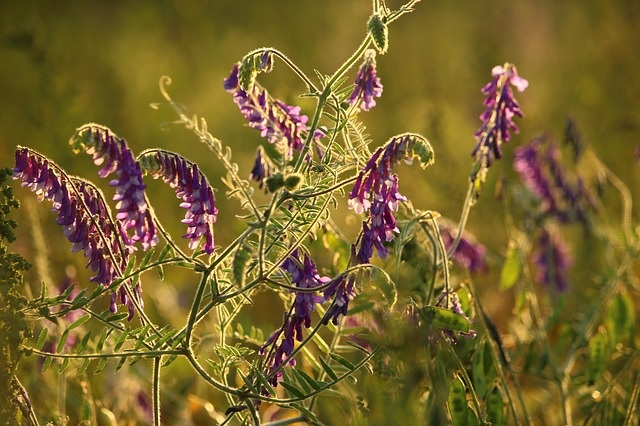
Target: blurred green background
64 64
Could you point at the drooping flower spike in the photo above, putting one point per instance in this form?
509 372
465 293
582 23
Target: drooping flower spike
305 276
497 119
281 124
540 168
376 191
194 190
133 211
84 216
367 84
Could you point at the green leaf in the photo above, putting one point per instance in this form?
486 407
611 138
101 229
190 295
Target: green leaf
265 383
121 363
47 363
306 412
310 380
160 272
65 364
83 367
120 341
301 381
62 341
130 265
169 360
101 364
444 318
146 259
342 360
83 343
327 369
77 323
293 390
101 340
511 268
42 338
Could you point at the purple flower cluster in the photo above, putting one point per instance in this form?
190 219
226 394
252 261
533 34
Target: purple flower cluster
376 190
113 152
497 119
305 277
194 190
469 253
541 170
278 122
552 261
367 83
83 215
343 289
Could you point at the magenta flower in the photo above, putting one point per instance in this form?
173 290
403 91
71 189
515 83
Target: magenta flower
497 119
367 83
113 152
194 190
277 122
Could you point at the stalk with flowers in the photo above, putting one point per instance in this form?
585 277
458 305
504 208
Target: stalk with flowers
349 328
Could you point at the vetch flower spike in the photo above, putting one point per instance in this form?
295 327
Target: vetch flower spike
497 119
133 212
305 276
84 216
194 190
376 190
367 84
281 124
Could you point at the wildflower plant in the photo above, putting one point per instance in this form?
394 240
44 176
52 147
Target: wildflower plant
391 304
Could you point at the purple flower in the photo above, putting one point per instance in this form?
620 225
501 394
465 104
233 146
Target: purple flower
279 123
261 168
82 213
367 83
113 152
376 190
469 253
343 289
542 172
305 277
552 261
194 190
497 119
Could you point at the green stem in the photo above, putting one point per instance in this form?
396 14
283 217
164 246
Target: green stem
193 313
156 390
150 353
